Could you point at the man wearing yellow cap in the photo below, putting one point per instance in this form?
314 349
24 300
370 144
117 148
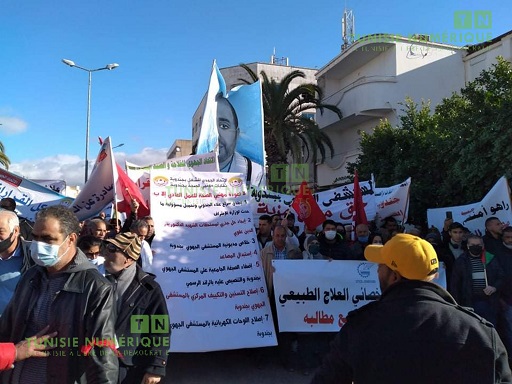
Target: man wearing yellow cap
416 332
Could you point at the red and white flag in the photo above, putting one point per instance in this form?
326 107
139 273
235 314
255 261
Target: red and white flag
126 190
307 208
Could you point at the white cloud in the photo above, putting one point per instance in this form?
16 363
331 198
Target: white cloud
12 125
72 168
145 157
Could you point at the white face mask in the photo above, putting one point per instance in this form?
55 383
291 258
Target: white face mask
330 235
509 246
44 254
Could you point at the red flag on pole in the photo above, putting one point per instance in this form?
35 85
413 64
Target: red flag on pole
358 213
126 190
307 208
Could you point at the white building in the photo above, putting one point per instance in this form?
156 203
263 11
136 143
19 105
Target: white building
369 81
483 56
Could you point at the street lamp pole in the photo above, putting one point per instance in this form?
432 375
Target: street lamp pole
88 126
89 71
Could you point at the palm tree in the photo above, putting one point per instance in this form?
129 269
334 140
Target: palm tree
4 160
287 127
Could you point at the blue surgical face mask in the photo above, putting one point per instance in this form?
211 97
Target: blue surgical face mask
44 254
362 239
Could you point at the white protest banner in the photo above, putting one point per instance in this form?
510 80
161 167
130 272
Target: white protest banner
98 192
495 204
317 295
393 201
336 203
270 203
207 262
200 163
30 197
58 186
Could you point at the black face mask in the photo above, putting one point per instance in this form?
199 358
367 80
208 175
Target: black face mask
5 244
475 249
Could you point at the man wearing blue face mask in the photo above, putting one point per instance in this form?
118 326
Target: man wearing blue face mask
362 236
67 293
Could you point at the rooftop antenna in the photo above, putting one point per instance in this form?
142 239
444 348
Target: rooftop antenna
278 60
348 29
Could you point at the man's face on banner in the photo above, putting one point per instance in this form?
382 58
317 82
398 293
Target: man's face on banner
227 129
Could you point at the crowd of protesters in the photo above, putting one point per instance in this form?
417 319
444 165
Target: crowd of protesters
478 269
68 298
85 280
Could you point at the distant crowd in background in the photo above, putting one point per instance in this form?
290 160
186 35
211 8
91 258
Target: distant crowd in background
478 269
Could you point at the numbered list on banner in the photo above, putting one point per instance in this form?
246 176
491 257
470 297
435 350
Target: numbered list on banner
207 262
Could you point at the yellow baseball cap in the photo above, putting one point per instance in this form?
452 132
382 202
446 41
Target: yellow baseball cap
411 256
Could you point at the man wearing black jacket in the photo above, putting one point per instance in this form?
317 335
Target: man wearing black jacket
332 246
140 306
65 291
493 232
416 332
477 279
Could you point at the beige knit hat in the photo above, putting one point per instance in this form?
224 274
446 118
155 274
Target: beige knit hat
128 242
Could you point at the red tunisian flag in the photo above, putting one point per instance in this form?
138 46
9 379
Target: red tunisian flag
358 213
126 190
307 208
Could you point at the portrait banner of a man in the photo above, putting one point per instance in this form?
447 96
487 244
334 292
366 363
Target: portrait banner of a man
232 125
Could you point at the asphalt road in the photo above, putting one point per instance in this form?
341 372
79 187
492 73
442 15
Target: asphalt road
228 367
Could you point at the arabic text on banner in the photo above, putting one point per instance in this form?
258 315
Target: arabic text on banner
317 295
495 204
207 262
98 192
140 174
30 197
337 203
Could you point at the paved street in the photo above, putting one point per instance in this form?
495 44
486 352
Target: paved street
227 367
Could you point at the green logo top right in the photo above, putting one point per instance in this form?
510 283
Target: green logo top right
472 19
